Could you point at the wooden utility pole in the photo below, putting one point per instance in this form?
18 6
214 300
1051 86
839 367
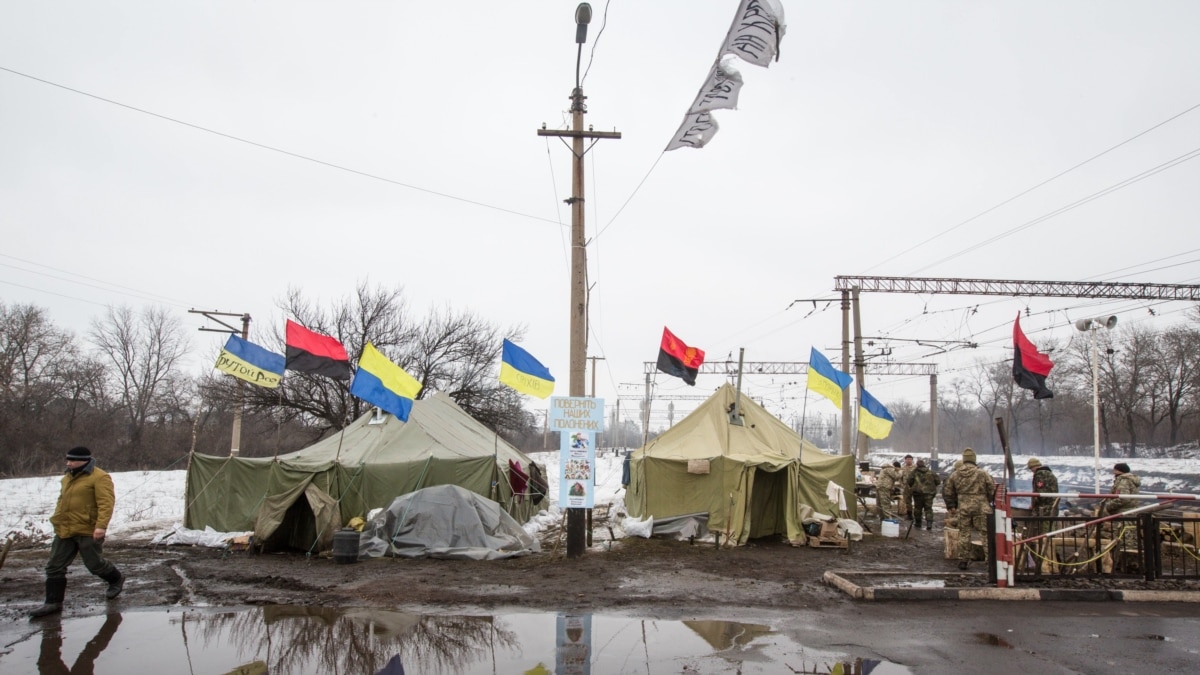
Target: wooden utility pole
845 369
576 537
859 368
235 442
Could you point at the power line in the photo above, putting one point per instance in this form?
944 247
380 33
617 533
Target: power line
281 151
1187 156
1035 187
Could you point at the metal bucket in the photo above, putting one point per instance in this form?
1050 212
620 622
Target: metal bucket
345 545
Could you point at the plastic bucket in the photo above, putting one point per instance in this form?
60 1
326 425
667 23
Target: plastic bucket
345 546
891 528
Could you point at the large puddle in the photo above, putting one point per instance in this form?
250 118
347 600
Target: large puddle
287 640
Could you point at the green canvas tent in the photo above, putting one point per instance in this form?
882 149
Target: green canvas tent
752 478
300 499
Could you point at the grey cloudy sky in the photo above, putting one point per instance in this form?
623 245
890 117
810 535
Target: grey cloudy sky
211 154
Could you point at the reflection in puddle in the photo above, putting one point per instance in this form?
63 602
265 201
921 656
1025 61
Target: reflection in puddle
926 583
994 640
286 640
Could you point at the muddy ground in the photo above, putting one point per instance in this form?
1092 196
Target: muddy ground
655 577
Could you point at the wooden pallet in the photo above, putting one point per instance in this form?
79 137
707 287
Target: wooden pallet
828 542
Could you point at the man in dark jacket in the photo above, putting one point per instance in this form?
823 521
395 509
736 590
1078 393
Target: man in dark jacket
80 522
923 485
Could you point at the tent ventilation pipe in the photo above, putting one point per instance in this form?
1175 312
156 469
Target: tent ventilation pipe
735 412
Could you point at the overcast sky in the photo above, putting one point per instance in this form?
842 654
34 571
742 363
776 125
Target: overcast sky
210 155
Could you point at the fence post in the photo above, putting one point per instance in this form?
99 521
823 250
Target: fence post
1151 557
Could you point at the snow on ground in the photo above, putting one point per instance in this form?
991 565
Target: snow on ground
1078 473
151 502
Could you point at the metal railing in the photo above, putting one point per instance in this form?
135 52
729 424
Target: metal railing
1146 542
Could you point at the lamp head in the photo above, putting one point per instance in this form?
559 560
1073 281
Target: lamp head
583 16
1108 322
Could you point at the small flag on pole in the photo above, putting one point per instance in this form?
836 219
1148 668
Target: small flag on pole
1030 367
519 370
311 352
678 359
382 383
874 420
248 361
824 379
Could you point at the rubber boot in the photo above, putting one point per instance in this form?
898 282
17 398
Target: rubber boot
116 582
56 590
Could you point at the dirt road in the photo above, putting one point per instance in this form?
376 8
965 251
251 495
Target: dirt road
658 577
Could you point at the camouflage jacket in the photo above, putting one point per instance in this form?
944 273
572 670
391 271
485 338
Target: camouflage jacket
1044 480
1124 484
970 490
887 479
922 481
905 472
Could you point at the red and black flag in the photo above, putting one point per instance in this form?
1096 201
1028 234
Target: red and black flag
1030 367
309 352
678 359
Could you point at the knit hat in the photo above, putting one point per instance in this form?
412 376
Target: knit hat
896 464
969 456
958 465
79 454
920 462
1033 463
1122 467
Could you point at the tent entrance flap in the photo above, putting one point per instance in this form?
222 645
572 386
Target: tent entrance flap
303 518
768 501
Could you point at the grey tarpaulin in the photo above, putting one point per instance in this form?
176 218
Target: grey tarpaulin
445 521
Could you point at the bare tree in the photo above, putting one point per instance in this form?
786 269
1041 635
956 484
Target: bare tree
1126 381
145 350
1178 370
449 351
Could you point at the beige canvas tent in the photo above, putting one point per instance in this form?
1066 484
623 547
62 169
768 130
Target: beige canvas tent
300 499
752 478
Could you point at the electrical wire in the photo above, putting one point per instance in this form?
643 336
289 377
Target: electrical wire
1035 187
281 151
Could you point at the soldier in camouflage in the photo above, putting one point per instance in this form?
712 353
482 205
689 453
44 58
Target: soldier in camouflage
885 487
1124 483
950 521
906 504
968 493
923 485
1044 480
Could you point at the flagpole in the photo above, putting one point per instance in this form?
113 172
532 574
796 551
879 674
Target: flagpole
803 414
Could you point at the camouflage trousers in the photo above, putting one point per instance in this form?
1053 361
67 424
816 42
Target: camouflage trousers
967 524
1043 509
922 508
887 505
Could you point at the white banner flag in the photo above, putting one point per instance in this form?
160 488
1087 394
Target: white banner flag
756 31
721 88
697 130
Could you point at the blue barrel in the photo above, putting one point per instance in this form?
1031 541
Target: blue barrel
345 545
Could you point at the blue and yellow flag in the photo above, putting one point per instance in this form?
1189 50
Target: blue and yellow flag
824 379
248 361
524 373
874 420
382 383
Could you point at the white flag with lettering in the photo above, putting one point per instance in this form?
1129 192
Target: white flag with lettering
721 88
697 130
756 31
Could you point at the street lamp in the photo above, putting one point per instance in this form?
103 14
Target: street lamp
1091 326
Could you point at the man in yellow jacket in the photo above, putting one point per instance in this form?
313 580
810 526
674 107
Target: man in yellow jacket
80 522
